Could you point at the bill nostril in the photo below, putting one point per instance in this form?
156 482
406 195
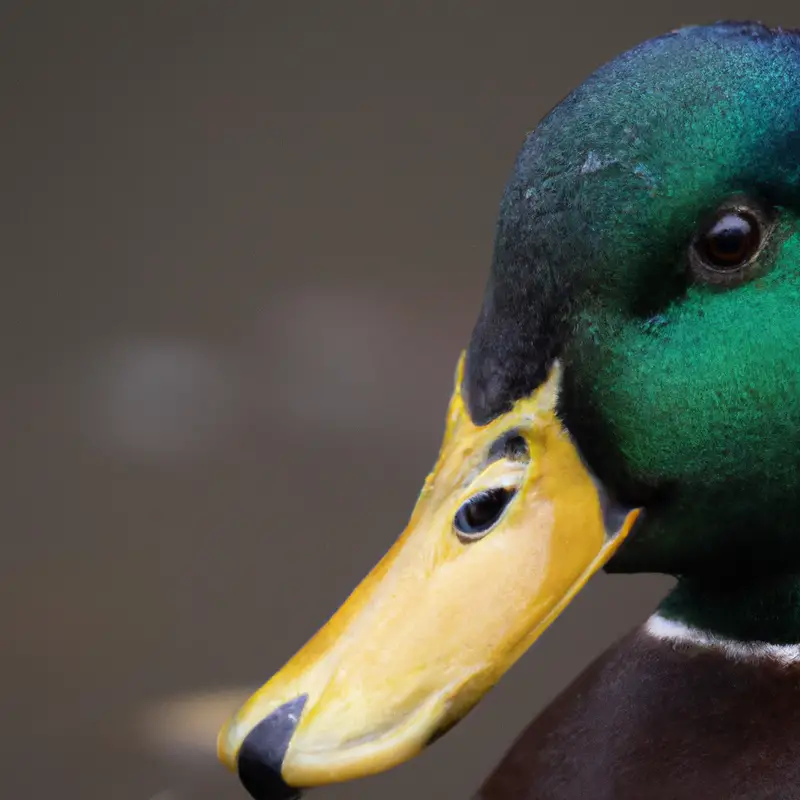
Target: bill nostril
262 752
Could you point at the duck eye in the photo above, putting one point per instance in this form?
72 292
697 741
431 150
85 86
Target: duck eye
728 244
731 240
481 512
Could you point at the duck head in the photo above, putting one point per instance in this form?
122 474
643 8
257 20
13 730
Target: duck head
629 398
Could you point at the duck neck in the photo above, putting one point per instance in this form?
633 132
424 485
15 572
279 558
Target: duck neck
758 610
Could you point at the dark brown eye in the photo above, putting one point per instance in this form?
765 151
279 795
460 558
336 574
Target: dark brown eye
727 245
731 241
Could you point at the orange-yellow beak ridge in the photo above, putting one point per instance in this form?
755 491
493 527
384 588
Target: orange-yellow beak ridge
507 529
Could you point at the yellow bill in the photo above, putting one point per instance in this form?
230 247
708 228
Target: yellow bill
508 528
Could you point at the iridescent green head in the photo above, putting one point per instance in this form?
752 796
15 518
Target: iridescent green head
643 319
649 238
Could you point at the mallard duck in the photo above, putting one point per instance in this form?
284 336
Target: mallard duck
629 400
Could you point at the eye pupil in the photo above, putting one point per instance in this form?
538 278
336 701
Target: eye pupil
480 513
730 241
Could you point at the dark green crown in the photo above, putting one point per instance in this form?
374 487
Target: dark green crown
683 394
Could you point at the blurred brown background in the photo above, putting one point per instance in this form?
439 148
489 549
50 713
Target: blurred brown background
243 244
